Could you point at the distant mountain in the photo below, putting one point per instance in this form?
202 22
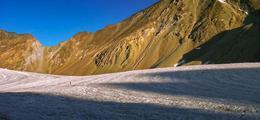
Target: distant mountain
169 33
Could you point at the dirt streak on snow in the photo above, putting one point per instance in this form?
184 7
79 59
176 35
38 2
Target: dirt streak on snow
228 91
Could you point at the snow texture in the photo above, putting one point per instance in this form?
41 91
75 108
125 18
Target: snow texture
229 91
222 1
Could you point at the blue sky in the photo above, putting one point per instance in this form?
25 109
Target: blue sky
53 21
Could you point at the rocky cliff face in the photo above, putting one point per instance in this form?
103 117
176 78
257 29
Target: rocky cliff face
15 50
169 33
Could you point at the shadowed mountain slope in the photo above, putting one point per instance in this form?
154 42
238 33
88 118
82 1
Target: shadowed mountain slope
237 45
158 36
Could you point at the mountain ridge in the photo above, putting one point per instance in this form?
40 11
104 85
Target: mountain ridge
158 36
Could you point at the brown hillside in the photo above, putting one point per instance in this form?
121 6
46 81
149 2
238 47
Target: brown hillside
162 35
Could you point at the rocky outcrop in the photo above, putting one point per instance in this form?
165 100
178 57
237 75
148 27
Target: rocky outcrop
162 35
15 50
241 44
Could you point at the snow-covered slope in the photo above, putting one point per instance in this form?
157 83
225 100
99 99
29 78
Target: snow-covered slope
229 91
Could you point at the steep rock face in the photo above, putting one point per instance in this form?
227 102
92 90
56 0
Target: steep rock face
237 45
158 36
15 48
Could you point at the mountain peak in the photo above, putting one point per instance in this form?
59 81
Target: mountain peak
169 33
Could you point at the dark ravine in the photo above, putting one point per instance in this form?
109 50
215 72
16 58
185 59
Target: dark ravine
170 31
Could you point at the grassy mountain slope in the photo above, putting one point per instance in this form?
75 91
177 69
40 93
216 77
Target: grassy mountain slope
237 45
158 36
